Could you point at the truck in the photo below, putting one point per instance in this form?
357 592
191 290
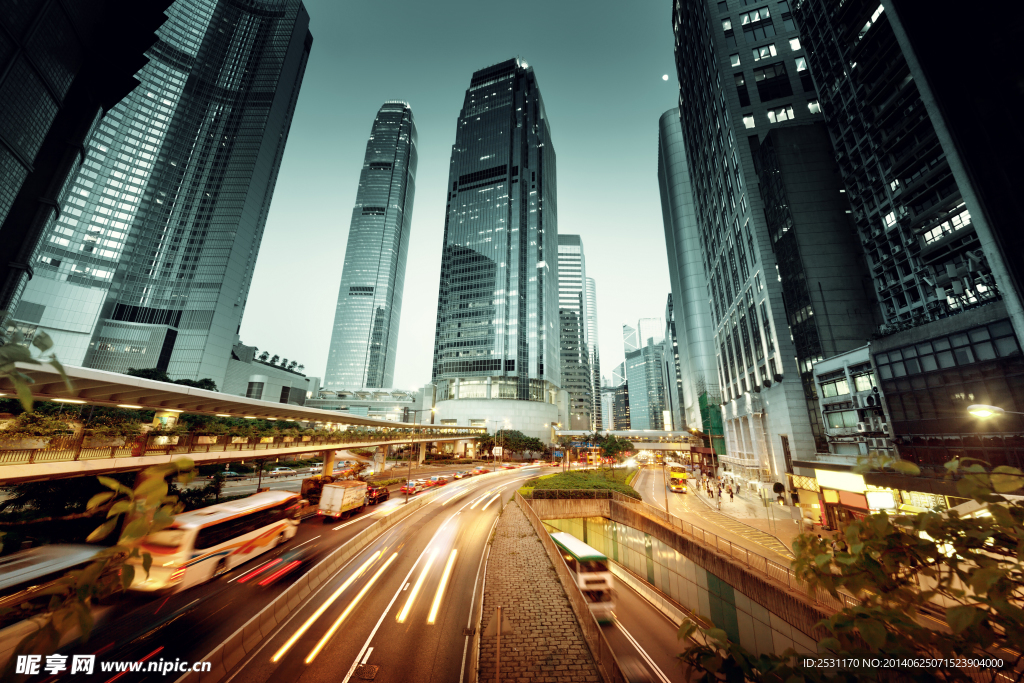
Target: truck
341 498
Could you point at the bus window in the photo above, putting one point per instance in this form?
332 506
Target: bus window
168 538
590 566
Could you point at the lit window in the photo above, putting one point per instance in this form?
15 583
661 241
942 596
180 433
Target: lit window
890 219
814 107
801 64
726 24
781 114
748 120
794 44
734 60
764 52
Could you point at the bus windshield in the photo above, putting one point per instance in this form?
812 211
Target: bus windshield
168 538
590 566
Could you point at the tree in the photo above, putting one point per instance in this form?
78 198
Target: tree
205 383
895 565
284 362
264 356
150 373
291 366
273 361
138 512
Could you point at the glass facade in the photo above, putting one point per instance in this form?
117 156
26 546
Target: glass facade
365 337
150 262
644 351
574 333
497 330
597 418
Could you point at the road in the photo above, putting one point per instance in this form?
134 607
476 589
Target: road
357 623
652 488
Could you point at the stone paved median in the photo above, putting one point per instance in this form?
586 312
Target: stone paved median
546 643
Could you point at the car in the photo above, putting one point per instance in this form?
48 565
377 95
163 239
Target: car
229 475
411 487
508 467
282 472
376 494
439 480
316 468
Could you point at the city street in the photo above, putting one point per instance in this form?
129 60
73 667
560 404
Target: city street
191 624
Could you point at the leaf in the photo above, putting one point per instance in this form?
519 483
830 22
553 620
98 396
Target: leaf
822 559
136 530
873 632
906 467
115 485
147 562
127 575
717 634
1007 479
103 531
151 487
24 395
985 578
118 508
829 645
85 620
99 499
42 341
953 465
52 360
960 618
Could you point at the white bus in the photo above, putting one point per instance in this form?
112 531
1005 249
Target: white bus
206 543
590 568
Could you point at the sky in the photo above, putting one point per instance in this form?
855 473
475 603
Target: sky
600 68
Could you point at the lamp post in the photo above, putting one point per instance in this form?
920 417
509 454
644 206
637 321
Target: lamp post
408 477
985 411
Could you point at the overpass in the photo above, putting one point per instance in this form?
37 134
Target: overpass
643 439
66 456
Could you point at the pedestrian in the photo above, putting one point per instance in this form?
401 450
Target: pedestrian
730 495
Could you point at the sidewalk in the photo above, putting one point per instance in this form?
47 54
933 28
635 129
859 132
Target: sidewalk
545 643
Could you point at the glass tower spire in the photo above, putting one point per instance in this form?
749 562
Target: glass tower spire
365 338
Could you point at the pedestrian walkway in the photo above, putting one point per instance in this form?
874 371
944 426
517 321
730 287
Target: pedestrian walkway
541 639
749 527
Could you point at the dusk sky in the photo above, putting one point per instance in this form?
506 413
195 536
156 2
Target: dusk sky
599 66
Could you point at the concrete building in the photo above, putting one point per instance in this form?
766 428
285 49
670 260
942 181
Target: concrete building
496 345
932 186
620 408
644 373
364 342
758 90
574 330
251 377
395 405
150 262
701 397
61 70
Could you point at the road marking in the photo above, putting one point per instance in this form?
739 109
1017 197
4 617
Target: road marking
305 542
643 653
496 497
348 523
251 570
348 610
367 655
406 587
472 599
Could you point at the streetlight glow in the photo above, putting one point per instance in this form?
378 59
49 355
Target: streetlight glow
984 411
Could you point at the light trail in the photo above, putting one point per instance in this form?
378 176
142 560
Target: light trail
348 610
416 589
440 588
323 608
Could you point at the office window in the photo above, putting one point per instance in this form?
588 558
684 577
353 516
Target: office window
755 16
748 120
801 64
726 24
813 106
841 419
794 43
864 382
781 114
741 90
723 7
734 60
772 82
764 52
838 388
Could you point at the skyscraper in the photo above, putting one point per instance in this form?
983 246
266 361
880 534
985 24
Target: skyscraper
769 400
496 345
644 373
150 263
671 364
62 69
365 337
577 378
593 347
930 183
691 311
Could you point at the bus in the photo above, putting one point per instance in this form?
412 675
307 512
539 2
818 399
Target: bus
590 569
203 544
677 478
28 576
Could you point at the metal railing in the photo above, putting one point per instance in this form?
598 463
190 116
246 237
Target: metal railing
68 448
755 562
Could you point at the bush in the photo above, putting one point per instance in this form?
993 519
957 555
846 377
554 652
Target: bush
35 424
601 480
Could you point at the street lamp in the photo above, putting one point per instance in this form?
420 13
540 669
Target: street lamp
984 411
408 477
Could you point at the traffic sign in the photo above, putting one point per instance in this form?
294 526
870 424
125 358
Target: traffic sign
496 451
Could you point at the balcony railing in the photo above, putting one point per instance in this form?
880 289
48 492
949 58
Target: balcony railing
33 450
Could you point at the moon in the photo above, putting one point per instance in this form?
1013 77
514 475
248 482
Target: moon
665 77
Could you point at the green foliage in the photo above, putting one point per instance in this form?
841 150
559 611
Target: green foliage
161 376
16 349
898 567
137 512
30 424
605 480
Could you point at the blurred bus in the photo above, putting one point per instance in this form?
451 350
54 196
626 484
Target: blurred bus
677 478
26 577
590 569
206 543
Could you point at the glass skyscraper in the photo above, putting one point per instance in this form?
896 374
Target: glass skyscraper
644 373
365 337
150 263
497 333
572 313
595 354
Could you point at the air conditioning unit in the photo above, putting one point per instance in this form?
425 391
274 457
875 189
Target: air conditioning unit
885 427
862 427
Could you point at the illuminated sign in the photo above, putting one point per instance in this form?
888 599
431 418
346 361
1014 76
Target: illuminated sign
881 500
843 481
